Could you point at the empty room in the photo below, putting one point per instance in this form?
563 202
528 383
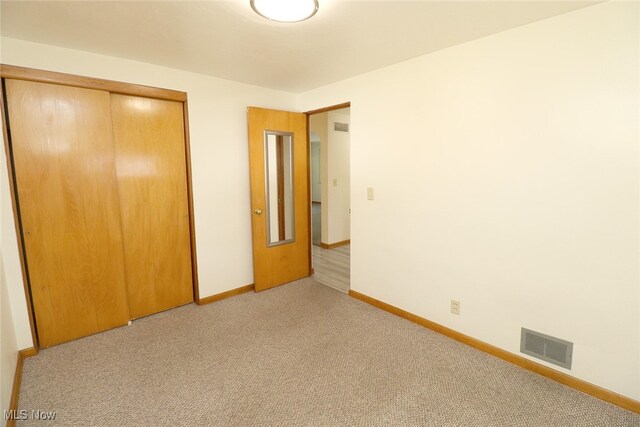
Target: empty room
320 213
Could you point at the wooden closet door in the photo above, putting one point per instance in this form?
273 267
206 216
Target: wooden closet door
152 184
62 147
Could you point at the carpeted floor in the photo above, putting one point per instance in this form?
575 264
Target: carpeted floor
298 355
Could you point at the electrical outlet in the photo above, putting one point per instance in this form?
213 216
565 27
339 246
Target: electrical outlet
369 193
455 307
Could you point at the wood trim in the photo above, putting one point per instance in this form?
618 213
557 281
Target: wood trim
192 224
573 382
331 108
43 76
225 295
17 380
335 245
17 219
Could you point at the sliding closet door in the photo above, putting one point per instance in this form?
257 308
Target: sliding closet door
62 146
152 184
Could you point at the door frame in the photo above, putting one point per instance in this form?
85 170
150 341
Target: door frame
42 76
308 114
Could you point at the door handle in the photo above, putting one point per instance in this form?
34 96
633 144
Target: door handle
258 211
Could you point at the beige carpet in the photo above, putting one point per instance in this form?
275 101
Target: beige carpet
299 355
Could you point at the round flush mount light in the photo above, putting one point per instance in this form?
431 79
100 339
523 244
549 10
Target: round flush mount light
285 10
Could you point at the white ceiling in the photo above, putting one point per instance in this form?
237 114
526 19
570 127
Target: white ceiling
227 39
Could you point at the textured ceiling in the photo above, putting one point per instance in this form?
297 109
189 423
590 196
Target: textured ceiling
227 39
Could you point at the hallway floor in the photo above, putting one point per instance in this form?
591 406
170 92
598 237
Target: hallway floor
332 267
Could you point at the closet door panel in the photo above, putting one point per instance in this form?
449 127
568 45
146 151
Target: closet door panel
152 185
62 146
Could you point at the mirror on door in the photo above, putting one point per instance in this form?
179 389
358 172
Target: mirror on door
278 150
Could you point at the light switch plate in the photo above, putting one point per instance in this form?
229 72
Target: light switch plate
370 193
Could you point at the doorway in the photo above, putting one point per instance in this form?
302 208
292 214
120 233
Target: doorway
329 147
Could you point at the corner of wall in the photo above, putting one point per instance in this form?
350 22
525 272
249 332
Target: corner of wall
8 344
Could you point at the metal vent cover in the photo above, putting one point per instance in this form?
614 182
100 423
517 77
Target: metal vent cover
341 127
547 348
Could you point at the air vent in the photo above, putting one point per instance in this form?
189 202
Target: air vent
547 348
341 127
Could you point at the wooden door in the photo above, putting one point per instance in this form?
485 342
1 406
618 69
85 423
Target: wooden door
62 146
152 184
278 161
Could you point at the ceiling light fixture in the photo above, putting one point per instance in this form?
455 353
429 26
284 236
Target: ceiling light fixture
285 10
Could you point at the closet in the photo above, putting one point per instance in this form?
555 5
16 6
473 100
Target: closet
102 189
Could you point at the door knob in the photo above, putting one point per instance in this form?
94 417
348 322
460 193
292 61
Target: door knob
258 211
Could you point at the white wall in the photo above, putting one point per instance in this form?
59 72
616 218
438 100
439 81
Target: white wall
219 154
338 191
316 195
12 310
319 127
506 176
8 346
9 255
15 331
